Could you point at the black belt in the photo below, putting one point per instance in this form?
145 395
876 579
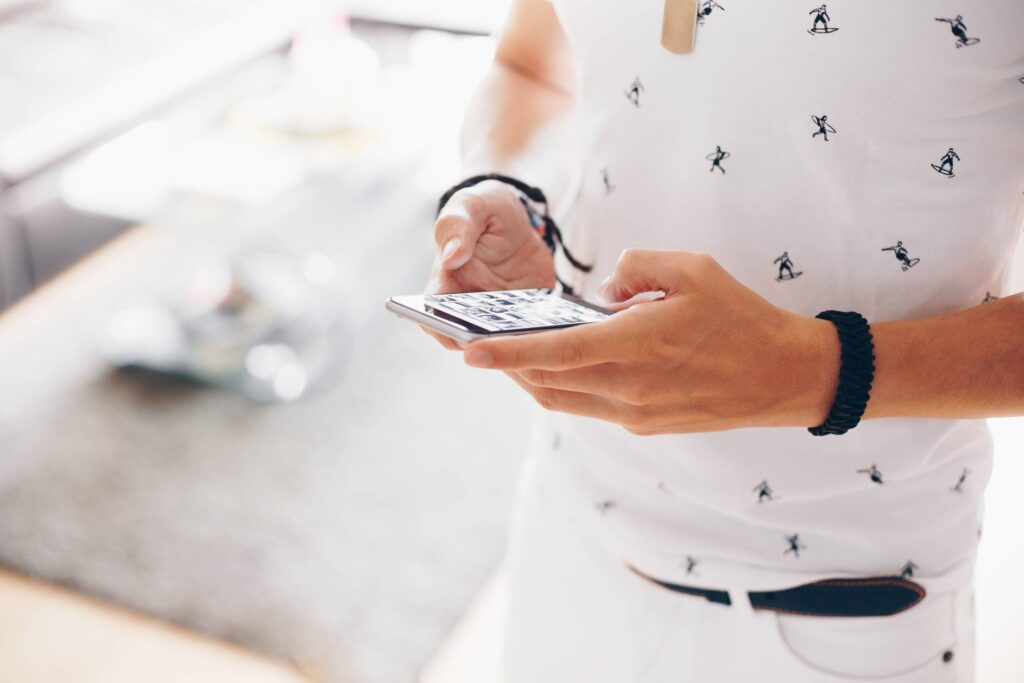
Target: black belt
872 596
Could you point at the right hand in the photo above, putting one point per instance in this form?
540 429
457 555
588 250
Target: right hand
485 242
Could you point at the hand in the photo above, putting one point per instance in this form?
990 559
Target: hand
709 355
485 242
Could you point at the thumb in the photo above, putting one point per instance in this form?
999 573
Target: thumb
457 229
643 270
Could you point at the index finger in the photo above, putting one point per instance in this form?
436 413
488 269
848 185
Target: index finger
571 347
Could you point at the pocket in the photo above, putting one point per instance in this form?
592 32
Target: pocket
660 625
908 647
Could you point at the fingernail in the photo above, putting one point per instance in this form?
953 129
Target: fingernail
479 358
602 288
450 247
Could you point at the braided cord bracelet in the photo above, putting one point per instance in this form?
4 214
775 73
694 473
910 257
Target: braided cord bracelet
856 372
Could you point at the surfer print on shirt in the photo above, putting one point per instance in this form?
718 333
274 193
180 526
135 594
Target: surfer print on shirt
821 19
786 268
705 9
901 253
634 90
795 546
959 486
874 473
960 31
608 187
824 127
764 492
908 569
945 165
716 158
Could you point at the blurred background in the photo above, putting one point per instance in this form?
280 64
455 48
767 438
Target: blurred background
220 459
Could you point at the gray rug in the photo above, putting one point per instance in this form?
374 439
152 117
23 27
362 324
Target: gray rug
344 533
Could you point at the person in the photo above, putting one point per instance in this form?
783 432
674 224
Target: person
959 30
785 266
873 472
945 166
705 9
654 427
906 262
716 158
633 92
824 127
764 491
820 17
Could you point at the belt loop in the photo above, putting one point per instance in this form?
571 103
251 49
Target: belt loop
740 599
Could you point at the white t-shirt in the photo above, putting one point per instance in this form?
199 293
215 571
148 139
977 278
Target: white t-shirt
871 160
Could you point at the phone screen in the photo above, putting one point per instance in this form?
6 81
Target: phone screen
511 310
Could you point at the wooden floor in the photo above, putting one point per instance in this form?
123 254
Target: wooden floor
50 635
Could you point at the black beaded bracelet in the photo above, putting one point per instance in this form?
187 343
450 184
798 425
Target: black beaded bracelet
856 372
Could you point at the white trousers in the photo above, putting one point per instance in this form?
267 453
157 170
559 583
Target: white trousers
578 615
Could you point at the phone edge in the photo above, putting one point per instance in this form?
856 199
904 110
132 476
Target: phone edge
449 331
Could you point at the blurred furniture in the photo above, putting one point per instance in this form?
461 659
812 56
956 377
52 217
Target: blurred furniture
73 72
50 635
345 533
76 73
14 276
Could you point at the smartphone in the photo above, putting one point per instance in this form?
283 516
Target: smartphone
467 316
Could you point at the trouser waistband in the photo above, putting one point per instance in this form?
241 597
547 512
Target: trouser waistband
872 596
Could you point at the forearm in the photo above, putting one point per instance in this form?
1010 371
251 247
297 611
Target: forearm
518 120
518 126
968 364
964 365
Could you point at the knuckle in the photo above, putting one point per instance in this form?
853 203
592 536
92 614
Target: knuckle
704 262
637 423
533 376
635 429
637 394
633 256
545 399
627 258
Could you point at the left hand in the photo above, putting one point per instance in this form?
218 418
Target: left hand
709 355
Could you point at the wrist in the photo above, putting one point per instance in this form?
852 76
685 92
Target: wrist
856 372
809 373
